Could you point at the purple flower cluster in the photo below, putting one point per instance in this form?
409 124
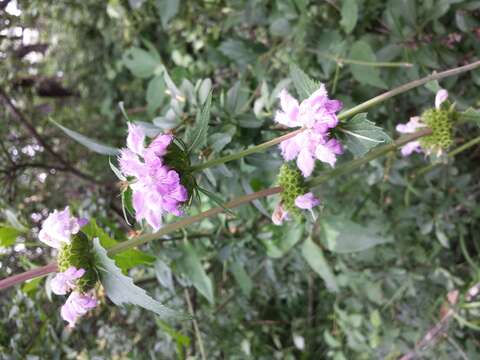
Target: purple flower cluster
415 123
57 230
316 115
156 189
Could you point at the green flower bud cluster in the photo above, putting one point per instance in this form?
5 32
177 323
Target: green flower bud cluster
293 185
79 253
177 159
441 122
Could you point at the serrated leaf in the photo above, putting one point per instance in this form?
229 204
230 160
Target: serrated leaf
349 15
8 235
341 235
304 85
368 75
121 290
242 278
361 135
313 254
189 265
126 259
91 144
141 63
197 137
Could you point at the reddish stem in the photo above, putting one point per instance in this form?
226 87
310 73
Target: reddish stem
27 275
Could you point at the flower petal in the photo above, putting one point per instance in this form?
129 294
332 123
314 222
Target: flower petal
305 162
306 201
136 139
440 97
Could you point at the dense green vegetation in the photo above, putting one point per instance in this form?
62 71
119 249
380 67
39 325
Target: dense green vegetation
394 239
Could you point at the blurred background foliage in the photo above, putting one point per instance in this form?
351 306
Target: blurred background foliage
390 245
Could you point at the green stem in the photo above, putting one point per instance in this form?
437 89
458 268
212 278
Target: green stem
406 87
451 154
251 150
344 115
340 60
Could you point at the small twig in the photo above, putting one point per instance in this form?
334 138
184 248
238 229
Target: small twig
27 275
439 329
195 325
31 129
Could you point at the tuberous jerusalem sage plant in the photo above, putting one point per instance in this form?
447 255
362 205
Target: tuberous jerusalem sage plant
162 167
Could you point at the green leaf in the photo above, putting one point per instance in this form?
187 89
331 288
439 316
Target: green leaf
219 140
304 85
189 265
121 290
242 278
238 51
31 285
141 63
349 15
8 235
167 9
197 137
368 75
284 240
217 199
125 260
313 254
237 99
91 144
341 235
204 90
155 93
116 171
361 135
183 341
471 114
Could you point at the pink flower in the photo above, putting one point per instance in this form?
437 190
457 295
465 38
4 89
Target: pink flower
440 97
76 306
307 201
65 281
279 214
415 123
135 139
156 189
316 115
58 228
